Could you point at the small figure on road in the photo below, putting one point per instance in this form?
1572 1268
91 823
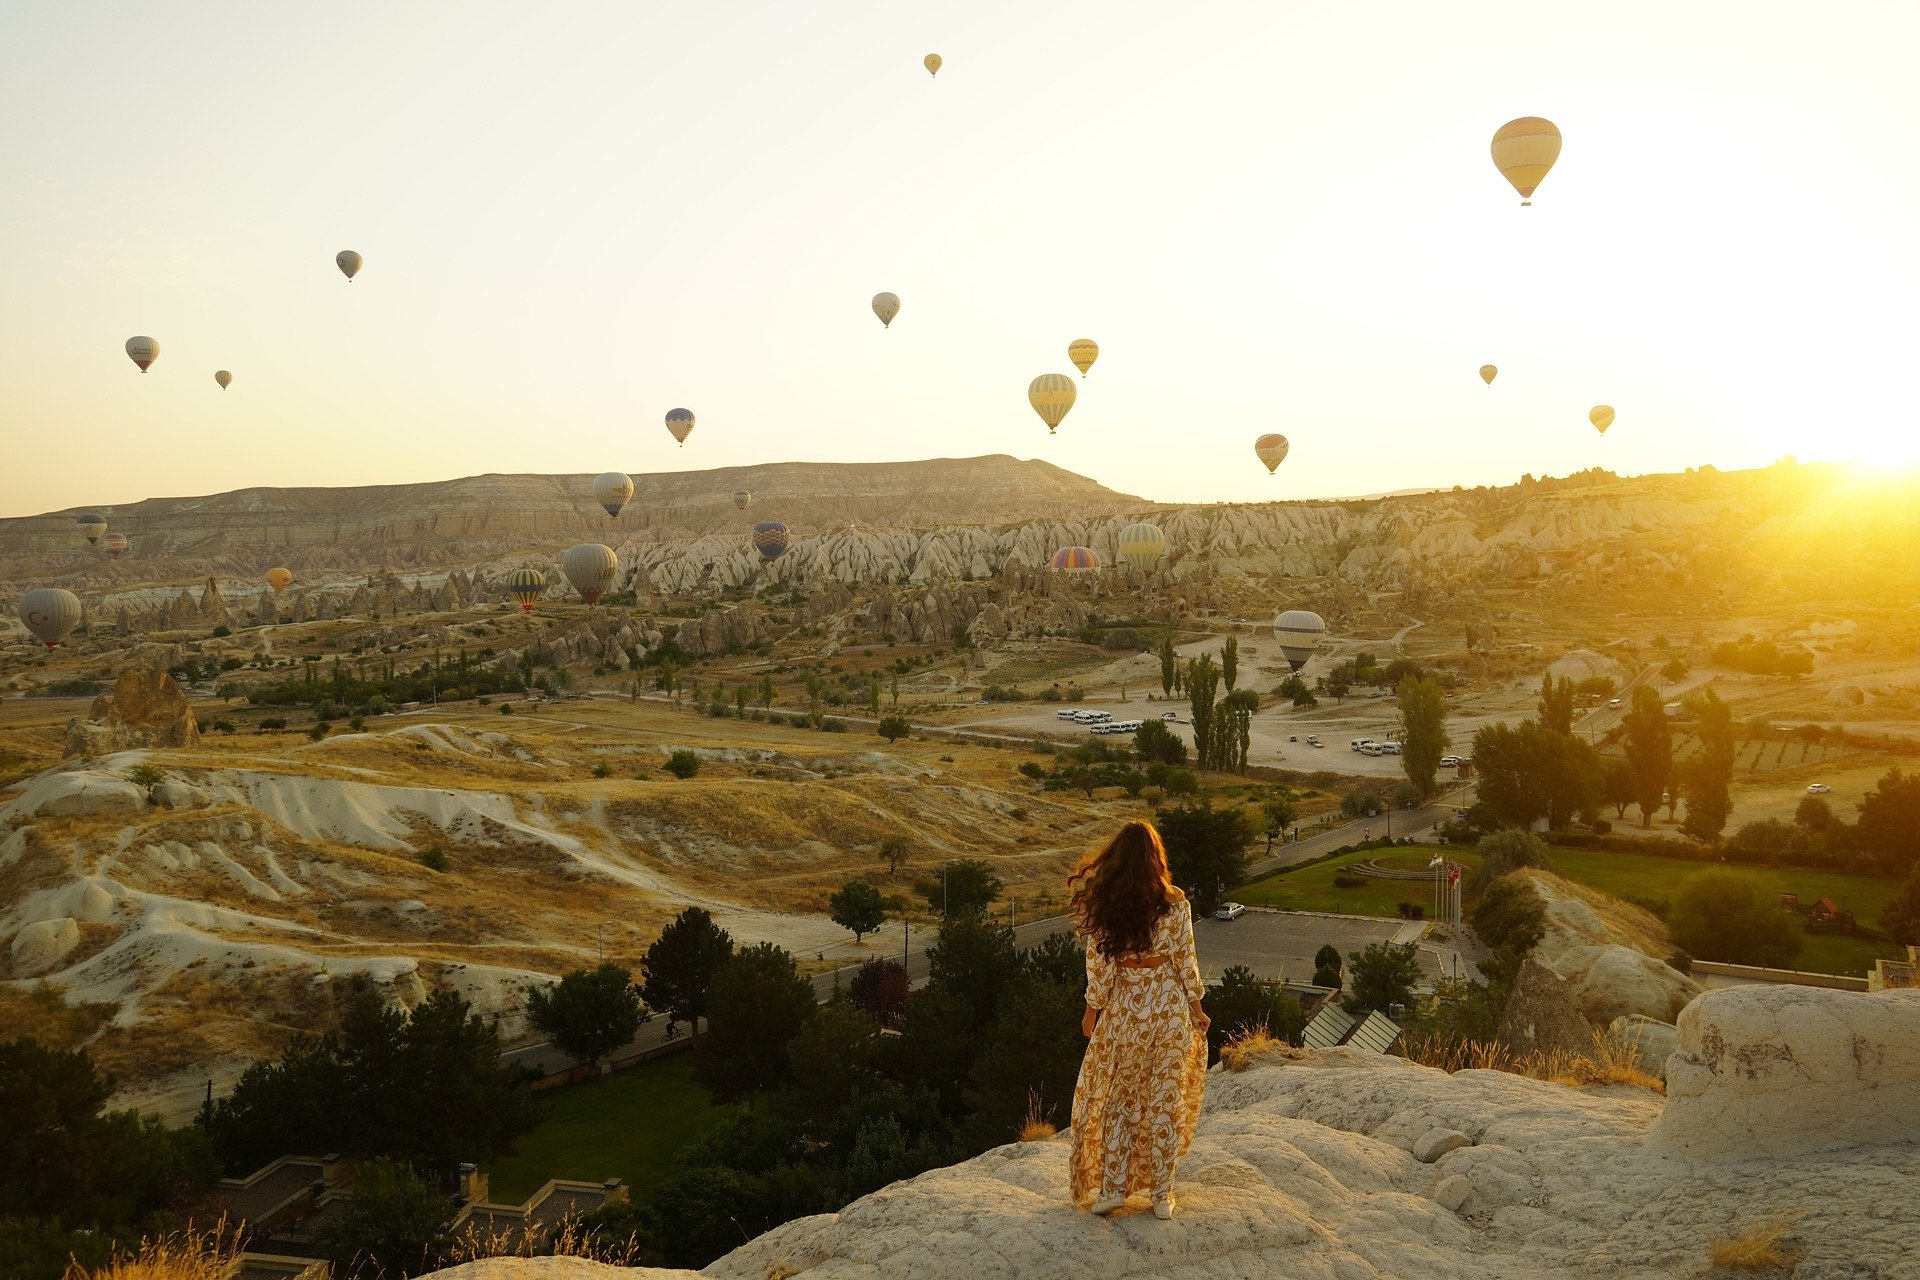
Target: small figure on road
1138 1098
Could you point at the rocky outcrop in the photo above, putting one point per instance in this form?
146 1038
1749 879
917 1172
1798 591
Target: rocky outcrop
1782 1071
81 793
42 945
1338 1163
146 709
1605 962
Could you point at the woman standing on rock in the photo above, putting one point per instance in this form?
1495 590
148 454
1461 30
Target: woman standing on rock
1140 1083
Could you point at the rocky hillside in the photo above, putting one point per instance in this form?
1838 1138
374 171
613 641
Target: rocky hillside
1792 1110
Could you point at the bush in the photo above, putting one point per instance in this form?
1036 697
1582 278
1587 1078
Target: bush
831 725
1734 917
145 776
893 728
682 764
1681 962
435 859
1180 782
603 768
1028 769
319 730
222 631
506 708
221 726
1506 850
1510 916
273 724
1412 911
1342 880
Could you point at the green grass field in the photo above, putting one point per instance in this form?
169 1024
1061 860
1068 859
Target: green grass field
628 1125
1623 875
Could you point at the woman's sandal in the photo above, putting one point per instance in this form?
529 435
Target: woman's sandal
1163 1209
1106 1205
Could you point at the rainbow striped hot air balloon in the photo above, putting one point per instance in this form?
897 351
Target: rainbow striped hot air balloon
525 586
1142 545
1075 559
770 539
114 544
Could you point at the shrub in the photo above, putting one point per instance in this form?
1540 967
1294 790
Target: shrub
435 859
831 725
1503 851
146 776
682 764
893 728
506 708
1680 962
1412 911
1510 915
1180 782
319 730
1342 880
358 724
222 726
222 632
484 700
273 724
1733 917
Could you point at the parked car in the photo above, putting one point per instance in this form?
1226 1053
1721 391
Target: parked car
1818 788
1170 715
1230 911
1313 740
1068 714
1613 703
1293 737
1357 743
1449 762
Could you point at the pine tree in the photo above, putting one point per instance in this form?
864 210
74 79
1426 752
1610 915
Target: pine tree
1230 662
1166 664
1203 683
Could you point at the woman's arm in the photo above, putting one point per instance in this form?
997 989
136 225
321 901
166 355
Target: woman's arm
1187 963
1099 986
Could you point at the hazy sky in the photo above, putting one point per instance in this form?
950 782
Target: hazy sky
1272 217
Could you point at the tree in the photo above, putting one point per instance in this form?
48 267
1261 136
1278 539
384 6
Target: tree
1327 966
589 1013
756 1006
880 987
1506 851
873 700
974 959
1279 810
858 907
1380 977
1155 742
1813 813
395 1223
1649 749
1616 785
966 887
1166 664
680 966
1235 719
1708 775
1028 1062
1362 801
1556 703
893 852
1889 826
766 692
1206 850
893 728
1242 1004
1203 684
1510 916
1230 662
1900 918
1733 917
1527 773
682 764
1423 730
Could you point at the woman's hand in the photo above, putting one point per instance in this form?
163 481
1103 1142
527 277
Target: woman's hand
1087 1021
1199 1015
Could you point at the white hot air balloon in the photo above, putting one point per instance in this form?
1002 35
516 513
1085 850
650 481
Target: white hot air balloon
886 306
590 567
143 351
1300 632
224 378
50 613
612 490
742 499
349 263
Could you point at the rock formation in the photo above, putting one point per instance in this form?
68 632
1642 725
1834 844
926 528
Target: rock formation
146 709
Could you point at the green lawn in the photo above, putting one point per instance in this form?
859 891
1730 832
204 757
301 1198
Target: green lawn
1623 875
627 1125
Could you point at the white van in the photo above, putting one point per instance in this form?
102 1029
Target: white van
1068 714
1357 744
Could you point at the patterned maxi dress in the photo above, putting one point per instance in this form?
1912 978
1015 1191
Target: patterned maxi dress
1140 1083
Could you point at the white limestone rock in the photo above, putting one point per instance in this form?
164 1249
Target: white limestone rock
1650 1041
81 793
41 946
1434 1143
1783 1071
1615 981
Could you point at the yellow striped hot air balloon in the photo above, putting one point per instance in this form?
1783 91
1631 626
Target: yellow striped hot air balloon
1524 150
1142 545
1601 416
525 586
1271 450
1051 395
1083 352
591 568
1075 559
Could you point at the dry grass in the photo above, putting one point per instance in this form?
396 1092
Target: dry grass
1761 1247
1243 1051
1038 1126
190 1255
569 1240
41 1013
1606 1063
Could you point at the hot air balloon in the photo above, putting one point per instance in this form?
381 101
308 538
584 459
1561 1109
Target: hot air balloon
1300 633
143 351
114 544
680 422
1488 373
1601 416
349 263
742 499
91 525
1051 395
932 63
590 567
525 586
1075 559
1142 545
224 378
279 578
1272 450
1523 151
612 490
50 613
886 306
1083 352
770 539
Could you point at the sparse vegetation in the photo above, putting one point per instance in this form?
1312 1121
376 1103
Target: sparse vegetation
682 764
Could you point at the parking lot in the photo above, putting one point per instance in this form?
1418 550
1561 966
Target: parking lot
1281 943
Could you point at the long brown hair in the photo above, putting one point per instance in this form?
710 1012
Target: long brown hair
1119 892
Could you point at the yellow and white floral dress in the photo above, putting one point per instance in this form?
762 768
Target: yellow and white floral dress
1140 1083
